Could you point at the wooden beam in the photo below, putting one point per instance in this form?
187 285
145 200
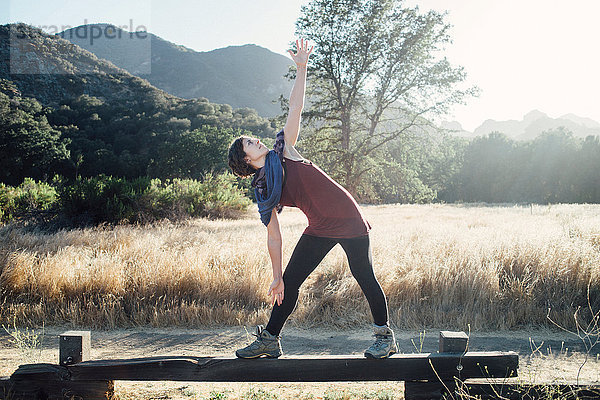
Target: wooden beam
400 367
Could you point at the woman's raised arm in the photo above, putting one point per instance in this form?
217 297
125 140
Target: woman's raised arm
292 125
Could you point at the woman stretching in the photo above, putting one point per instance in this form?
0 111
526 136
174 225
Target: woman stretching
282 177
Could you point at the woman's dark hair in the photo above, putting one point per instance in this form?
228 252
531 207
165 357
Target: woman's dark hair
236 160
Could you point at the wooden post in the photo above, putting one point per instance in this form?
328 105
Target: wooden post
52 382
74 347
453 342
450 342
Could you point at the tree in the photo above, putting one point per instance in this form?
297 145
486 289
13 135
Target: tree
29 146
588 166
488 171
554 166
191 153
375 74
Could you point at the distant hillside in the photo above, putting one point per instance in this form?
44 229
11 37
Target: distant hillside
535 122
532 125
110 121
241 76
52 69
454 128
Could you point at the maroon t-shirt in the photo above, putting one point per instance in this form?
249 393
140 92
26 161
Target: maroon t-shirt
331 210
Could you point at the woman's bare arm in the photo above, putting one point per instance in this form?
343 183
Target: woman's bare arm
296 103
274 243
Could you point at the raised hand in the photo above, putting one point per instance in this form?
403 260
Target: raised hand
302 53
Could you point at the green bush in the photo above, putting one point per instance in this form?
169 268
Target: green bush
29 196
100 199
215 196
116 200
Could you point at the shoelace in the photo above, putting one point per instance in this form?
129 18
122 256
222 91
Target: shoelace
379 342
259 331
259 338
257 342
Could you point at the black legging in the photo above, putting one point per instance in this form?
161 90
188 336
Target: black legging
307 254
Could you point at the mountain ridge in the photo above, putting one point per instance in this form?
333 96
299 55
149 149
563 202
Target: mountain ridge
51 69
529 127
218 74
241 76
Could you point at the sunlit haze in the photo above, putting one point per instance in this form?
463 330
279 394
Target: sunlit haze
524 55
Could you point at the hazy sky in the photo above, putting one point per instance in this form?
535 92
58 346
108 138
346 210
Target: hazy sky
523 54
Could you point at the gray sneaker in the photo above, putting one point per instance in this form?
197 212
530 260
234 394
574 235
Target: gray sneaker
385 343
264 345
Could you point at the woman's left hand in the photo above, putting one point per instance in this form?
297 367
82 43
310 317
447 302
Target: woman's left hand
276 291
302 53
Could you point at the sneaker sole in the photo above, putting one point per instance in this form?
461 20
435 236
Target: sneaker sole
371 356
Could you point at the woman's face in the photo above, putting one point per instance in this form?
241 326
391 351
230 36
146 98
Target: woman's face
254 149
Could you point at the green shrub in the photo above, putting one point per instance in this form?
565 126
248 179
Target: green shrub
101 199
116 200
215 196
29 196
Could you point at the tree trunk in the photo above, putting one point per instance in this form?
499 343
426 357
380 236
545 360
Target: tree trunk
348 163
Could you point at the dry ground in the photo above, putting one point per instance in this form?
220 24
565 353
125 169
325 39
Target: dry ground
558 359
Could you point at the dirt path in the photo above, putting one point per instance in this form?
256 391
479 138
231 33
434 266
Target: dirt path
559 358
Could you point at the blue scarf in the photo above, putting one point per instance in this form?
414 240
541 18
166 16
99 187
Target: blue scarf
268 183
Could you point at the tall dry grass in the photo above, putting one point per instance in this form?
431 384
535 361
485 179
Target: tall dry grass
439 265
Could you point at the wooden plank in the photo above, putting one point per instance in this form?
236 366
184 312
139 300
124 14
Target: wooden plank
400 367
41 371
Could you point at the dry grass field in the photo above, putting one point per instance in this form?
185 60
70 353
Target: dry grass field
487 267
